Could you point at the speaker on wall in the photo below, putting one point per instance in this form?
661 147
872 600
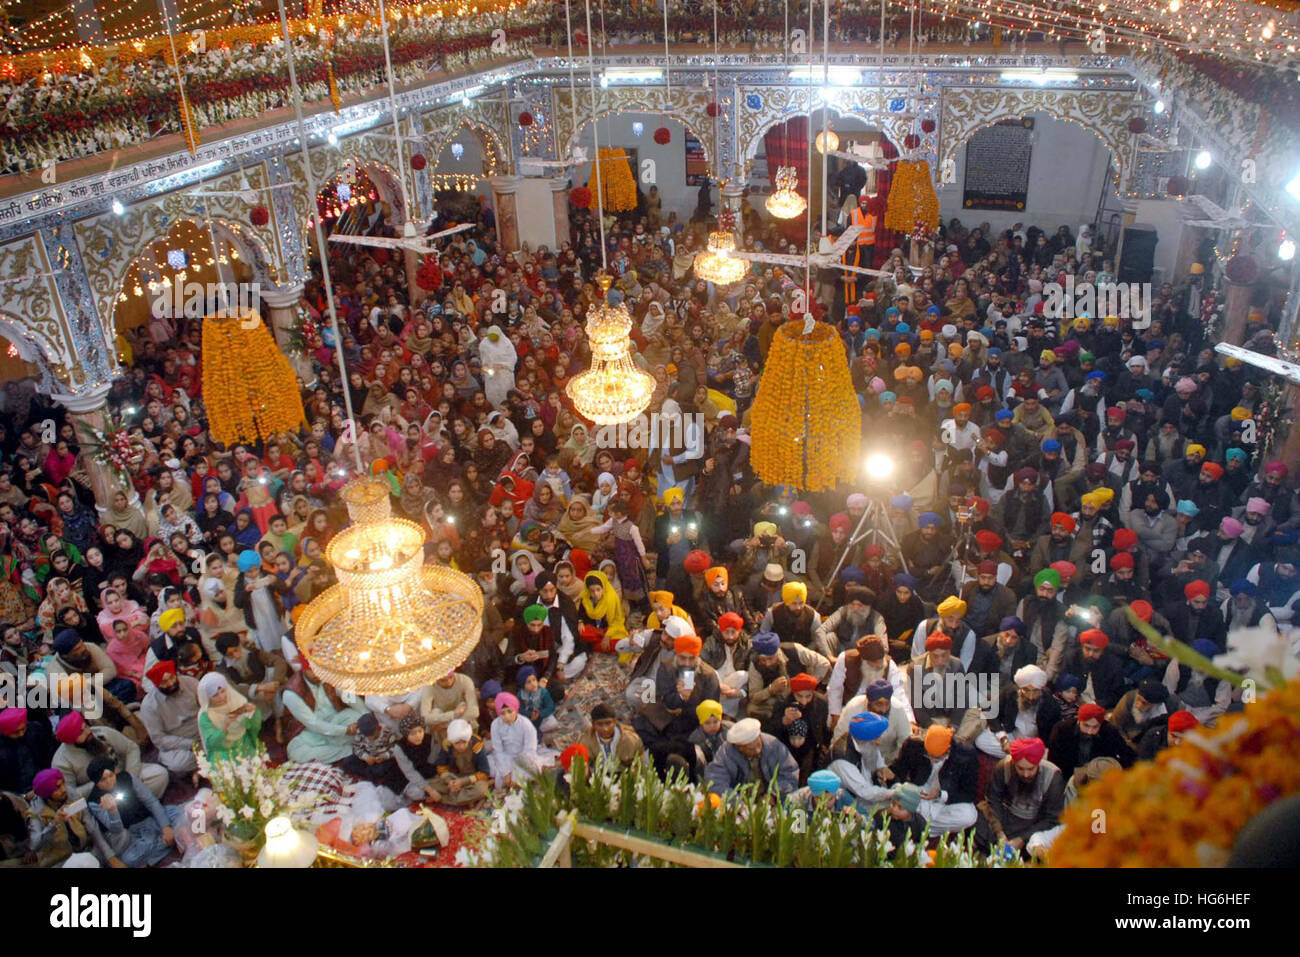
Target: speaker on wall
1138 255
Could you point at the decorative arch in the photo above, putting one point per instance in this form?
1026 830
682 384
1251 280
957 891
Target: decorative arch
488 138
485 120
966 111
33 345
329 161
765 107
31 314
688 107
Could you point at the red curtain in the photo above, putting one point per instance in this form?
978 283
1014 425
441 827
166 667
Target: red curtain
787 145
886 239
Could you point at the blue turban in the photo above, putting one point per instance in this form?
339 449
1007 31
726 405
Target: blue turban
1206 647
903 328
926 519
767 643
1011 623
1051 445
1244 586
524 673
888 396
943 385
1146 395
932 311
1188 507
872 333
66 640
853 575
248 560
995 352
823 782
1155 344
1003 415
1097 374
892 311
1236 454
490 689
1066 682
880 688
901 502
904 580
867 726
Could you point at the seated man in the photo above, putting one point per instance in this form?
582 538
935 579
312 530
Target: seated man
881 698
773 665
26 748
728 650
372 758
1025 795
256 674
463 773
79 744
74 656
1140 708
170 713
863 771
610 739
752 756
450 697
1076 741
947 774
710 735
138 828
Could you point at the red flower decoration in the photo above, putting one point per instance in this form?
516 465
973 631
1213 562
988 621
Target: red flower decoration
1137 125
911 141
1178 186
927 125
418 162
429 277
525 119
888 150
259 216
580 197
1241 268
712 108
663 135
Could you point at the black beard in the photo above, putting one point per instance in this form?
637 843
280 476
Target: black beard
93 745
170 691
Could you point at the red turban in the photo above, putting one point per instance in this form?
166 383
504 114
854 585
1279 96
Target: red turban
1124 539
839 520
1122 560
731 620
1196 589
571 752
1095 637
696 562
985 392
1115 412
874 551
1142 609
1182 721
989 541
1028 749
1091 712
1064 569
994 436
803 682
938 641
1213 469
156 673
987 568
1060 518
580 561
687 645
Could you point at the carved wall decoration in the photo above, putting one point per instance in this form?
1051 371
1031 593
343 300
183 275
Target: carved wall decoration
689 106
372 153
1105 114
30 314
763 107
487 121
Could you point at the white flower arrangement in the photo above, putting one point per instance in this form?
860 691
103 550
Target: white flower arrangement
250 792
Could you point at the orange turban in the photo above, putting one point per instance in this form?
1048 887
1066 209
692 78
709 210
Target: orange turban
711 575
687 645
938 740
961 408
803 682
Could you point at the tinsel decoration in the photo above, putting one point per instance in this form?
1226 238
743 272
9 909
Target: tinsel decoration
663 136
580 197
303 332
259 216
1137 126
525 119
912 198
1271 411
248 384
112 446
418 162
806 417
335 99
1211 312
613 176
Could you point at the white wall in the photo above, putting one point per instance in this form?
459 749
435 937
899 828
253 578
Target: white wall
1066 171
670 160
535 210
1163 215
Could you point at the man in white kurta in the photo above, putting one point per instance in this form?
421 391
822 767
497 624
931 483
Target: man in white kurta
865 730
514 757
497 353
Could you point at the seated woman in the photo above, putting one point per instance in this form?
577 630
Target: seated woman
53 834
140 831
128 650
228 722
600 613
328 723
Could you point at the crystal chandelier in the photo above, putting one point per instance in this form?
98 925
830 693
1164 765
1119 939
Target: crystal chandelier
785 203
391 624
613 390
830 143
716 264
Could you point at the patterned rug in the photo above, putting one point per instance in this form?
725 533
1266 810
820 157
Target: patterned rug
603 680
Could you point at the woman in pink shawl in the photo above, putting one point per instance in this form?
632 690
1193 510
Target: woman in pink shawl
116 607
128 648
59 463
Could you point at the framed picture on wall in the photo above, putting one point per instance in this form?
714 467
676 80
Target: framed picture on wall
997 166
697 165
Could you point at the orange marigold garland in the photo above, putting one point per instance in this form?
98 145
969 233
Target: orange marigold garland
912 198
1186 808
806 420
248 386
613 174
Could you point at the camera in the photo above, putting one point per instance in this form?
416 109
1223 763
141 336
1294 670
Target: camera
675 530
688 678
783 511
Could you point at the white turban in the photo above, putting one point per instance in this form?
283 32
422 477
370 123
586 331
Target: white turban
459 730
745 731
677 627
1031 676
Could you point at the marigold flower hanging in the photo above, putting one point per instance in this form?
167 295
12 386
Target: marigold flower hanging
806 417
912 198
613 175
248 384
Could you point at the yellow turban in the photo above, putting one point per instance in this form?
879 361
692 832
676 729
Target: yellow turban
1082 323
708 709
765 528
1111 321
674 494
662 597
1231 363
1240 414
954 350
794 591
1195 449
1047 354
952 605
713 574
1106 493
172 616
1094 499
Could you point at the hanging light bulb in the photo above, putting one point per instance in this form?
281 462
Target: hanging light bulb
613 390
785 202
830 138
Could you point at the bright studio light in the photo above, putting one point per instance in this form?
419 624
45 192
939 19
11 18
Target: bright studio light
879 467
1204 159
1159 107
1286 250
1293 187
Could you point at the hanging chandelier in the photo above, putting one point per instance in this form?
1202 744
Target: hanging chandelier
785 202
716 264
827 142
392 624
613 390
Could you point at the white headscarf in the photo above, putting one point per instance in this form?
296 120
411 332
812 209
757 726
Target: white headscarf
221 715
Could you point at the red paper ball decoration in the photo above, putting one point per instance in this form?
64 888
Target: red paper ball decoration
911 141
663 135
1241 268
429 277
712 108
525 119
418 162
259 216
927 125
1178 186
580 197
1137 126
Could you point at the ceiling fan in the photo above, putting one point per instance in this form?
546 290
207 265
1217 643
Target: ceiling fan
410 239
1216 217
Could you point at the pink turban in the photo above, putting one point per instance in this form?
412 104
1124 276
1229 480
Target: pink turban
69 729
1028 749
1275 468
506 700
47 782
840 520
1258 505
12 719
856 500
1230 526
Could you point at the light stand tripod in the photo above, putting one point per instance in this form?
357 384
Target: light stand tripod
879 530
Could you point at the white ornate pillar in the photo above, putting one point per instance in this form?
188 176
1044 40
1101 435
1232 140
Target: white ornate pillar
87 410
560 198
503 200
733 198
282 315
